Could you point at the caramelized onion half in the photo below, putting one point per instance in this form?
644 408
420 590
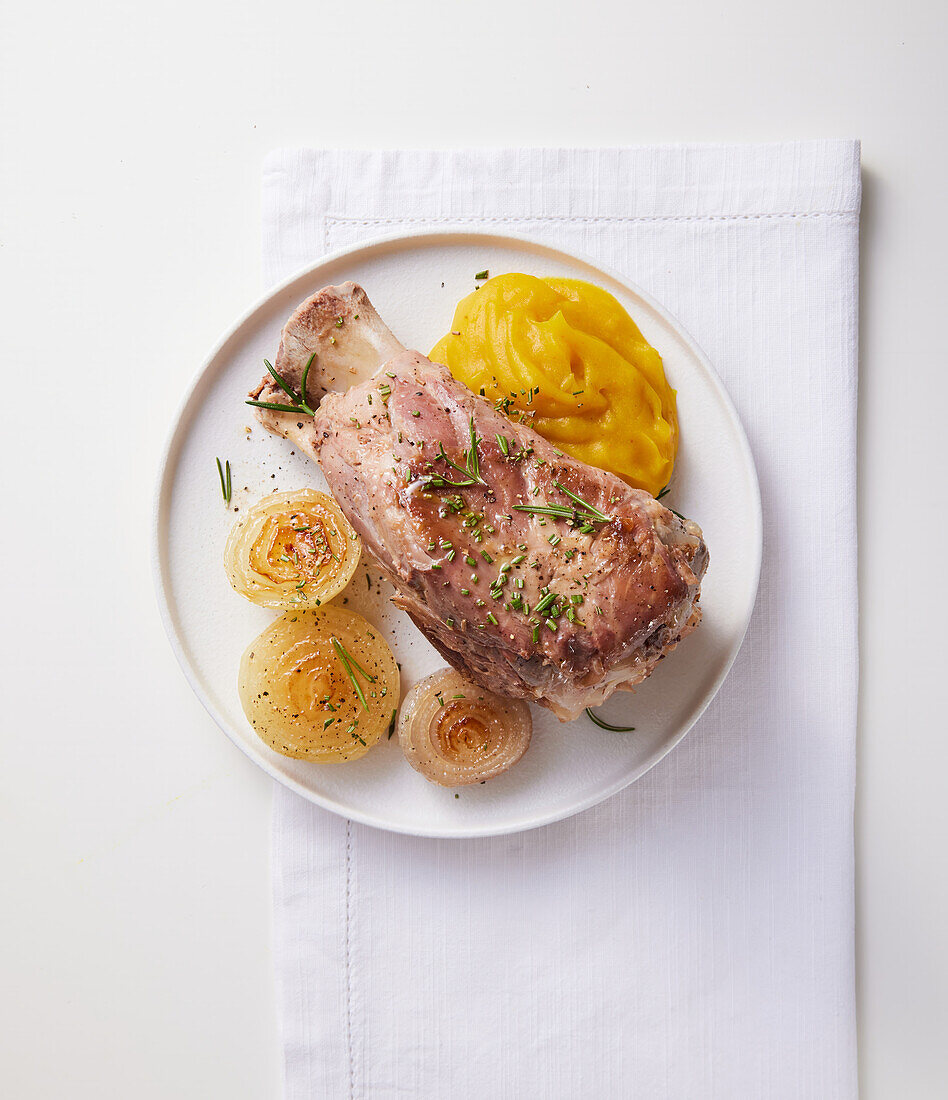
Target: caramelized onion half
292 550
455 733
319 685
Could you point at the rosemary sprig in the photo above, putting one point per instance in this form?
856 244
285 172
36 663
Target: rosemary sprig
600 516
348 661
606 726
225 480
391 725
359 667
581 514
665 492
299 405
560 511
471 468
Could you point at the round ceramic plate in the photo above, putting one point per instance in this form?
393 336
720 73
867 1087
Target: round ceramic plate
415 282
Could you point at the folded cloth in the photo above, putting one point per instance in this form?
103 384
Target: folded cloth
693 936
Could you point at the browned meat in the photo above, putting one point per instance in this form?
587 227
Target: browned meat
453 501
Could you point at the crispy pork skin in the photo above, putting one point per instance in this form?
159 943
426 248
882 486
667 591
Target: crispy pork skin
452 500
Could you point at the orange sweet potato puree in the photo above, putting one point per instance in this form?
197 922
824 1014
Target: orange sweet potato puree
571 361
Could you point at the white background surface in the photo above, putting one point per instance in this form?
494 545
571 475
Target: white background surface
134 928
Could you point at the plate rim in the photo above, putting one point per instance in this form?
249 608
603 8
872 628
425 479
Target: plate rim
162 497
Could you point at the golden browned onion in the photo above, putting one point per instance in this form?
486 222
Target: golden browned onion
319 685
292 550
455 733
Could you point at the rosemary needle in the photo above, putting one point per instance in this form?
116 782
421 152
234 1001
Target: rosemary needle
225 480
277 407
309 363
348 661
665 492
358 667
606 726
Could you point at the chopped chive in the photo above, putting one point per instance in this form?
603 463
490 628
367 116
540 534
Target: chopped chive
545 602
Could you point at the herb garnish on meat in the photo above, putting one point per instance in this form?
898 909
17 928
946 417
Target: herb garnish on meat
299 405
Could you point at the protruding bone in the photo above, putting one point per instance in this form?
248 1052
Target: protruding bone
350 341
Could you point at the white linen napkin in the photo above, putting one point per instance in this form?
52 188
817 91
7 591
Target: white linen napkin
693 936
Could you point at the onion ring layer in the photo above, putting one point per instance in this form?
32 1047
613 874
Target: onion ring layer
292 550
319 685
455 733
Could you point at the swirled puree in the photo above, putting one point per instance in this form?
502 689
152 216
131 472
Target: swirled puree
566 358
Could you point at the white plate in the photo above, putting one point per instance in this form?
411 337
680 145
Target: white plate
414 282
